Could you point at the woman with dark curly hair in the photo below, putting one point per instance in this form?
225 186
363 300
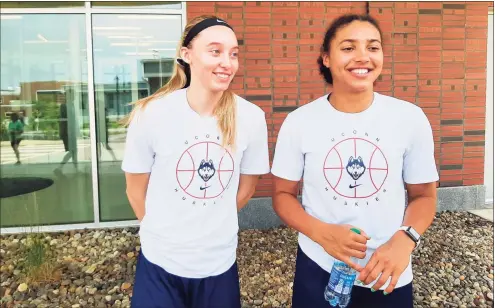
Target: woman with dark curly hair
357 152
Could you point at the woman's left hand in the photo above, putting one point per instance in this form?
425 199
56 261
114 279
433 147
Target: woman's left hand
389 260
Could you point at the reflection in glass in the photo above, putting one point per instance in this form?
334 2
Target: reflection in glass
139 4
44 82
133 57
40 4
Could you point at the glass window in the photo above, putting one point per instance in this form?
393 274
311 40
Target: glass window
138 4
133 57
41 4
45 148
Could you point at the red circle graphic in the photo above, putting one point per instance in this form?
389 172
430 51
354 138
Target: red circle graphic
187 170
374 164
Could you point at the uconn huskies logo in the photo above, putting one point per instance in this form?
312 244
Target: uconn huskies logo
355 167
204 170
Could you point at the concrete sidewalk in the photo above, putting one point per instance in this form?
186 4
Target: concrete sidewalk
484 213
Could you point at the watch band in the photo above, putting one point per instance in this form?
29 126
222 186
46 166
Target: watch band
413 235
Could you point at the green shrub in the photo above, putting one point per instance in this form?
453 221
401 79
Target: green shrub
37 260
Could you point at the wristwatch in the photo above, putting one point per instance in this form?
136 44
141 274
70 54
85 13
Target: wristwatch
413 234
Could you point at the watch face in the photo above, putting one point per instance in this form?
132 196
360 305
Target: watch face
414 233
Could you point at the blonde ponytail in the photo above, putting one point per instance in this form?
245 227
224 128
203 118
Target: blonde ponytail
225 111
176 82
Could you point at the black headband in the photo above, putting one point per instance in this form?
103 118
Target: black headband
196 29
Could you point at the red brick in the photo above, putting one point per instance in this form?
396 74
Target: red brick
430 56
255 3
475 102
453 23
474 174
454 33
476 56
474 154
257 29
453 81
454 12
381 4
478 5
257 22
405 56
255 48
473 33
453 56
475 74
451 17
476 45
452 45
430 35
457 87
284 3
282 21
256 9
435 61
473 182
229 9
474 138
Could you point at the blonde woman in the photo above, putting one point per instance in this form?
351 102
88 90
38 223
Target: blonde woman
193 156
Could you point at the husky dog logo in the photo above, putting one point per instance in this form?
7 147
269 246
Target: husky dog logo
355 167
206 170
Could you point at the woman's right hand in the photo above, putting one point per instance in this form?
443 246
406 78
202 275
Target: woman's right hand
341 242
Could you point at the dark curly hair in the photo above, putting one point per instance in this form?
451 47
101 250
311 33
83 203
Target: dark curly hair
330 34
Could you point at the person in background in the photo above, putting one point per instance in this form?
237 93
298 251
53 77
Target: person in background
193 155
16 129
357 152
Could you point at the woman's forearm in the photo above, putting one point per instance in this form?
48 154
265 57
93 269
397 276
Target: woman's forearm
421 208
136 188
137 204
291 212
420 213
243 198
247 187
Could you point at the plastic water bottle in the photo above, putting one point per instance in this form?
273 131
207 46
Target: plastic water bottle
342 278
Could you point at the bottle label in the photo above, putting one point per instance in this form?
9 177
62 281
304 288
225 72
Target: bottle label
341 282
334 279
348 283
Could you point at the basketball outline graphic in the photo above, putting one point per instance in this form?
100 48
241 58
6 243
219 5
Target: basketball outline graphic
195 172
377 184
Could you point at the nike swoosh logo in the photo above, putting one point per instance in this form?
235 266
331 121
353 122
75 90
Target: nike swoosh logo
203 188
218 20
354 186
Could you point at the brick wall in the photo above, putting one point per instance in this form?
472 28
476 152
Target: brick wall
435 57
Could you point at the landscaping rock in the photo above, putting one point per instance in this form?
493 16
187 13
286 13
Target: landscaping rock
453 267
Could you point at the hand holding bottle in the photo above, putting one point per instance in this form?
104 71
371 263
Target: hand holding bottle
342 243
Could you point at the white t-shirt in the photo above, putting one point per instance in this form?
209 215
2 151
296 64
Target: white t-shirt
354 166
190 226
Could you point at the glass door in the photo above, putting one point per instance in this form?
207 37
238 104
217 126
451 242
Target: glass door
133 57
45 157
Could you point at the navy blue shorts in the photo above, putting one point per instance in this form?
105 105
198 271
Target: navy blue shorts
310 281
156 288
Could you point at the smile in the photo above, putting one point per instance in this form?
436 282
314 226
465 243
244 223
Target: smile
222 75
360 71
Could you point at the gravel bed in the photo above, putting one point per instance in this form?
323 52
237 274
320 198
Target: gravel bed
453 267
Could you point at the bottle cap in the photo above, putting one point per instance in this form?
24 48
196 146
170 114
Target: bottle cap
355 230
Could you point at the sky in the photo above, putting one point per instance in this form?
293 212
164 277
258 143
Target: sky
45 47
